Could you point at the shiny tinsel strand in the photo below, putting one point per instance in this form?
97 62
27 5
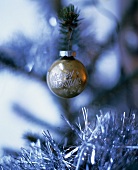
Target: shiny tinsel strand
112 144
109 143
37 157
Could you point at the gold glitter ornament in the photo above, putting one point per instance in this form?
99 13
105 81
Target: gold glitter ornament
67 76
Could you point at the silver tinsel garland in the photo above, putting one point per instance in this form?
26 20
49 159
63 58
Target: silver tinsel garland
111 143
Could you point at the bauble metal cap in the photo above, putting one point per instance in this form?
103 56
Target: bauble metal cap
67 53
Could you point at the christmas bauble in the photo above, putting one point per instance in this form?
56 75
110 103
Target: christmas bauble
67 76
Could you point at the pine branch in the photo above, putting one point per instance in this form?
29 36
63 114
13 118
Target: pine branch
108 94
28 116
68 24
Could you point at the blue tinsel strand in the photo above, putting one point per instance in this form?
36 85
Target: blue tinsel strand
110 144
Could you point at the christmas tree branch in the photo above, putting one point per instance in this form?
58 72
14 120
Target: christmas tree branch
20 111
68 23
7 62
103 97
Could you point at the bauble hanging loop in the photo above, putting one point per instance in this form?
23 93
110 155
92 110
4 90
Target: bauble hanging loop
67 76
